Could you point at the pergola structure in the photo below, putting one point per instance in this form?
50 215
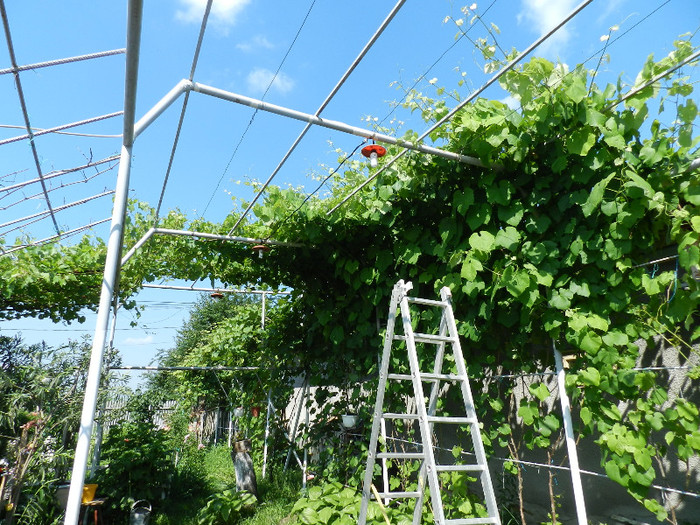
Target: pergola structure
133 128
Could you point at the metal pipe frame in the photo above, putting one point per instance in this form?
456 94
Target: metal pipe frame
320 109
212 290
332 124
53 174
53 237
570 439
46 131
25 112
186 368
61 61
112 264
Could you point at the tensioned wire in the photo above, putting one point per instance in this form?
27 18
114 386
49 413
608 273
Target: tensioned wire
325 103
252 118
459 106
176 140
509 66
25 113
328 99
63 185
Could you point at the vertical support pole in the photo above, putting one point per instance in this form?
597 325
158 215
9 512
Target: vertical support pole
112 264
267 430
230 425
304 470
570 441
293 434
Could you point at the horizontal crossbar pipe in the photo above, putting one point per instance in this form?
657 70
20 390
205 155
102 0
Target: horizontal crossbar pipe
54 237
163 104
331 124
248 240
166 231
186 368
61 61
138 245
213 290
654 80
59 208
60 128
54 174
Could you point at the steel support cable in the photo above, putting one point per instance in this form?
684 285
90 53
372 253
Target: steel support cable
31 135
608 43
43 214
176 140
252 118
64 235
466 101
325 103
53 174
20 94
462 35
325 179
60 61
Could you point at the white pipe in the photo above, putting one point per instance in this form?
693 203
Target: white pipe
163 104
267 431
570 441
249 240
222 290
114 245
138 245
332 124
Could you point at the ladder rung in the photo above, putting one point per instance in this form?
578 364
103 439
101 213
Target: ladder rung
399 494
471 521
427 302
390 415
452 419
459 468
428 338
401 455
400 377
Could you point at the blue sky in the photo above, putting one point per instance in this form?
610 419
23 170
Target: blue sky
245 43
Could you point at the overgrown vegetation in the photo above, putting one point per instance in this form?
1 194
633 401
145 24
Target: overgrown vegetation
550 243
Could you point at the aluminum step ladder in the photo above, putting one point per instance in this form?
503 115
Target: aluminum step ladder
426 412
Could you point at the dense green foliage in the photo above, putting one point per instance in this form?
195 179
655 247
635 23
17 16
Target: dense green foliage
550 243
40 391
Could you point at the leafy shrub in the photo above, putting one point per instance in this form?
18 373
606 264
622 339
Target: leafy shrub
223 508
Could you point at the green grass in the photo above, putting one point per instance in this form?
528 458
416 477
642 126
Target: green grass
277 493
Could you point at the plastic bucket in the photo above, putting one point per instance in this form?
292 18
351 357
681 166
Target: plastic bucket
89 490
140 513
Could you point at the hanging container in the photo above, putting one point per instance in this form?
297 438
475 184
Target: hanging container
140 513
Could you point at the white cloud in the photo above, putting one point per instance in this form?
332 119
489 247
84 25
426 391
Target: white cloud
223 12
258 42
511 102
260 78
146 340
543 15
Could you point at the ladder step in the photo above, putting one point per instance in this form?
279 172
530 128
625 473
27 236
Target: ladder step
428 338
472 521
453 420
390 415
427 302
459 468
401 455
399 494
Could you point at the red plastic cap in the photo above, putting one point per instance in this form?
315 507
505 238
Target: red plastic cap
376 148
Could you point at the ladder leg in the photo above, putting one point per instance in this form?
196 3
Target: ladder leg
425 430
486 484
432 403
398 291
